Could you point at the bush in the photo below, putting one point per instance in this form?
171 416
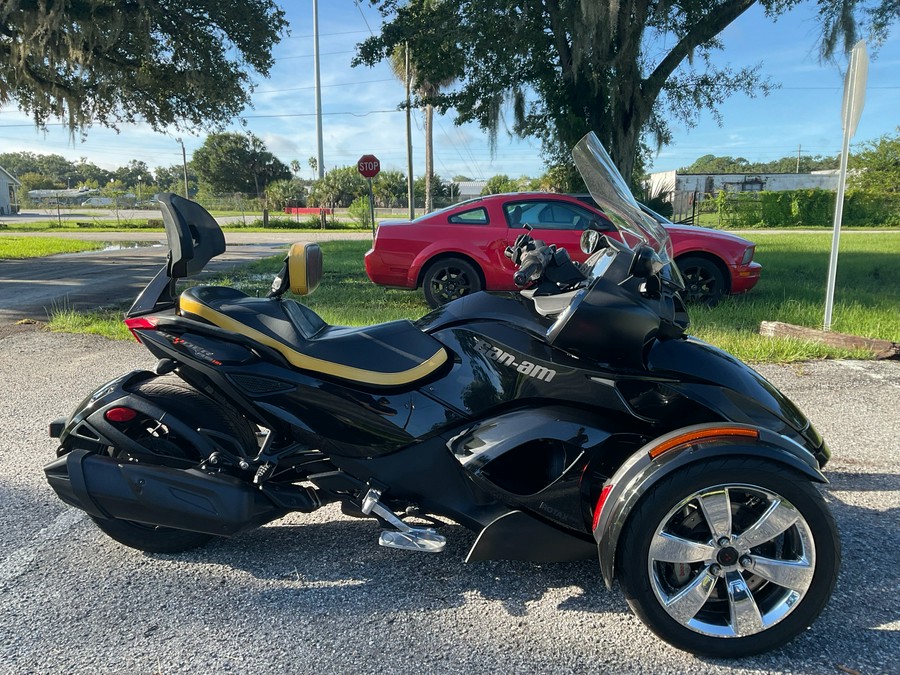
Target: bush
776 209
359 212
811 208
865 209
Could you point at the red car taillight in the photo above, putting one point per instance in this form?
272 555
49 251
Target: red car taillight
142 323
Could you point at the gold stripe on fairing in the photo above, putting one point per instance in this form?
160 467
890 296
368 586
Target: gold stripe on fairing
297 269
310 362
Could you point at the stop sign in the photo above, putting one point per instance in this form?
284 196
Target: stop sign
368 166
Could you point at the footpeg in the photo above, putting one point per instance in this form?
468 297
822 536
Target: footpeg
416 539
405 536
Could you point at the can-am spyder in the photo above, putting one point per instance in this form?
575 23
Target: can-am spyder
572 418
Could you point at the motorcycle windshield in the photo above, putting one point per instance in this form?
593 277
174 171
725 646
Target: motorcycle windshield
610 191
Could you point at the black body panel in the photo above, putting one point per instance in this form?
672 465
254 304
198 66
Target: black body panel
158 495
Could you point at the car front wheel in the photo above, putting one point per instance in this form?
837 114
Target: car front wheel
703 280
448 279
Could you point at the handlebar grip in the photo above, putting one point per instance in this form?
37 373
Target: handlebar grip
531 269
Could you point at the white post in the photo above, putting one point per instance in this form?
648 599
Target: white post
854 97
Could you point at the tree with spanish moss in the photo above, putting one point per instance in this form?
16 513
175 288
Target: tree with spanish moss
624 69
181 63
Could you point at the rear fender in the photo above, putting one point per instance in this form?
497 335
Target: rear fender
88 427
673 451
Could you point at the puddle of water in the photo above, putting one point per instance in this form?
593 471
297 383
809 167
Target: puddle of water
119 246
123 245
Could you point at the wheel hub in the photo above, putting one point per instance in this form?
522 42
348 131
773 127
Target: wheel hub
727 556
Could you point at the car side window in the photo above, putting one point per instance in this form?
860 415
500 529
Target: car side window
477 216
549 215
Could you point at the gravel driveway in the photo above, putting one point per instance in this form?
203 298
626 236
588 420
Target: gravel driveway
316 593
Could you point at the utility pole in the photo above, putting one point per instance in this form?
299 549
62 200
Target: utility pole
184 166
411 193
798 158
320 159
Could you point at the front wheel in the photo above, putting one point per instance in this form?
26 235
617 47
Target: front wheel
448 279
729 558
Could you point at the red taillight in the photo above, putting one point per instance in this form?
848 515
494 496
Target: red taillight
120 414
141 322
601 500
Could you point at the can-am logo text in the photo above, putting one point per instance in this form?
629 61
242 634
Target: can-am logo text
505 358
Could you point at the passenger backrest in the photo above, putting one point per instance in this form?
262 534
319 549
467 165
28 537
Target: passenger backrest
304 267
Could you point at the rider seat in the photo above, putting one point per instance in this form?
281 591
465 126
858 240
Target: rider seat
388 354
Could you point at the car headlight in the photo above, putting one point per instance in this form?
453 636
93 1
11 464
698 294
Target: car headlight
748 255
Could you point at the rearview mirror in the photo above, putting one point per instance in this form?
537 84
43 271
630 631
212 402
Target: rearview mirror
590 241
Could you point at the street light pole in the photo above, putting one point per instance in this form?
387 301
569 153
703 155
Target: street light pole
410 185
320 159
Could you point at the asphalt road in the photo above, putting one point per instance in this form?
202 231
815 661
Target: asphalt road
316 593
31 288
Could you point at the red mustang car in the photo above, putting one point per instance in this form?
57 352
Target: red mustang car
460 249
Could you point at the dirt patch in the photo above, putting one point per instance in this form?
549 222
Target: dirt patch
23 326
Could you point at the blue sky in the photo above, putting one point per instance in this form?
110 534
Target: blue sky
359 106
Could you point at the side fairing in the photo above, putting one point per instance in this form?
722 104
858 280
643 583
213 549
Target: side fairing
500 365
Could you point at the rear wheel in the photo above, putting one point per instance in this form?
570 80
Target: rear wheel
448 279
729 558
191 407
703 280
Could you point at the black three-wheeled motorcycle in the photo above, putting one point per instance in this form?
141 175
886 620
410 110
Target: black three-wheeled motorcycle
571 420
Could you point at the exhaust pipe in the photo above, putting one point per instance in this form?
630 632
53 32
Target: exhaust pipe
166 497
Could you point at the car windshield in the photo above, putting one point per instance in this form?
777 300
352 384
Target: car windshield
608 188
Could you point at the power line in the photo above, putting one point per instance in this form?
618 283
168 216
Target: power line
342 112
365 21
309 56
324 86
345 32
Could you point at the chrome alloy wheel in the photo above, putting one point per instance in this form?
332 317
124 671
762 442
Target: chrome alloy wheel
731 560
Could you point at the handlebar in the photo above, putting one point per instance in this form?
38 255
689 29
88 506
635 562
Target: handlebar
531 268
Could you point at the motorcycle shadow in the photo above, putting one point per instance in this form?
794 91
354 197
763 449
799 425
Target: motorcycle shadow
326 560
867 522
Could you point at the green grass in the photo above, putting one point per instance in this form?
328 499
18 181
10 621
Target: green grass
106 322
37 247
792 289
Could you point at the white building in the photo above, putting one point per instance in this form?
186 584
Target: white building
468 189
9 202
684 189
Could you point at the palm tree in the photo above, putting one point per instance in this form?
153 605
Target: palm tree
425 90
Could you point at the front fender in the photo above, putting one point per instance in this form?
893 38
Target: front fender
642 471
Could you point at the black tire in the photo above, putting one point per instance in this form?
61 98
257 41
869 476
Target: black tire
448 279
735 610
703 280
190 406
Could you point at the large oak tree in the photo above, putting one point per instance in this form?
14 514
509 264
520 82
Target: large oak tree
622 68
185 63
233 162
